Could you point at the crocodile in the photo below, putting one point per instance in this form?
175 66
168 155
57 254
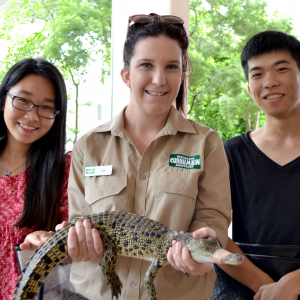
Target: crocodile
124 234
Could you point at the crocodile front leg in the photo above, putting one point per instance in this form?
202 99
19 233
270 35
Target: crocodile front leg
108 263
149 277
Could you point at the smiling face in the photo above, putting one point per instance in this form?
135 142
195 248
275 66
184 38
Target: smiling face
154 75
274 83
27 127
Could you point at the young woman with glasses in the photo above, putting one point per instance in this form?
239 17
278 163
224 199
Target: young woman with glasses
164 167
33 167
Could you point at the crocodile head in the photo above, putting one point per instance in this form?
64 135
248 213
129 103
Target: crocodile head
203 250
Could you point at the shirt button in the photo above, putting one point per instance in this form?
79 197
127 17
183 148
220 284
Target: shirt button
133 283
143 176
139 211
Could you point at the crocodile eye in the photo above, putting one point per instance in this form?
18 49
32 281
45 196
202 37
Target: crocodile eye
211 239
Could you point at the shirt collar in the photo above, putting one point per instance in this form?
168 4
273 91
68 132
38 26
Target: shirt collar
176 122
115 125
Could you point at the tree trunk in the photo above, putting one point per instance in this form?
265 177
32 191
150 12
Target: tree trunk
256 121
76 84
248 123
76 114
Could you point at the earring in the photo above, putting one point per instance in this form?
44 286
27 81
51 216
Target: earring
129 85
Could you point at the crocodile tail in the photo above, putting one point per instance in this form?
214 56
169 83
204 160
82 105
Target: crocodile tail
42 262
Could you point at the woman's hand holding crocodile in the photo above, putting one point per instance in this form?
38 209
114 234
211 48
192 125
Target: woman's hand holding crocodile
84 243
180 258
35 240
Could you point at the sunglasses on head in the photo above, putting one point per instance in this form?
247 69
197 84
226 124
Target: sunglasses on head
143 19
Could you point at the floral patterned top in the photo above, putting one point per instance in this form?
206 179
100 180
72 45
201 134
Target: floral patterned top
12 191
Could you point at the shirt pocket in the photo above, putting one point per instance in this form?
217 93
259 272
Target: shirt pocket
185 184
106 193
176 195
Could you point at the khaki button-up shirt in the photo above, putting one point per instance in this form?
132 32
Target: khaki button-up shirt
181 180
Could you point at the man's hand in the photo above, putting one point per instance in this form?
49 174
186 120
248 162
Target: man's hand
287 288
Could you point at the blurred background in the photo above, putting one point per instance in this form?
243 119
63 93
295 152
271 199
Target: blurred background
84 39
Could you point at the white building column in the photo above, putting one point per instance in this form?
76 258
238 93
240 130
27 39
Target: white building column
121 10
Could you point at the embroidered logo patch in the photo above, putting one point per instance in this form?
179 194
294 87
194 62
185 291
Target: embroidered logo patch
186 162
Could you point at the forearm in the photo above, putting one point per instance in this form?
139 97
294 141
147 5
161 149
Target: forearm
246 273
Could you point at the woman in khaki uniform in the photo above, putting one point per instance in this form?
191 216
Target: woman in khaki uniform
155 163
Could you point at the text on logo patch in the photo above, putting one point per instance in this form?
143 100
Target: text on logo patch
186 162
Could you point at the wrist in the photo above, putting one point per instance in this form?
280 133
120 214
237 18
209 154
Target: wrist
291 280
264 279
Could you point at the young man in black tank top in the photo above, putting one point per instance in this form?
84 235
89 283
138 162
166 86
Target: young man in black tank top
265 170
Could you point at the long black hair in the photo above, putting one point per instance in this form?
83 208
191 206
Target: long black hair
156 28
45 160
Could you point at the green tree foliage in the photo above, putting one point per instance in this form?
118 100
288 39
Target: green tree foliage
72 34
219 29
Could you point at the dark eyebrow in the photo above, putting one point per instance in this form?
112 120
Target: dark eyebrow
254 68
25 92
49 100
282 61
30 94
150 60
145 59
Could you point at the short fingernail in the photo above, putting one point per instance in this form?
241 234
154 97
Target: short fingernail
178 246
78 223
197 234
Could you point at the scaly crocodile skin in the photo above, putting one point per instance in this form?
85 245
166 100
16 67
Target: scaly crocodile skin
124 233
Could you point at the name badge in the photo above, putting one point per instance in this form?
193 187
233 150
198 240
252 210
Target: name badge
98 170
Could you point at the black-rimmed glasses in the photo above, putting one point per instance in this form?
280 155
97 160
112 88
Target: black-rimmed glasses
44 111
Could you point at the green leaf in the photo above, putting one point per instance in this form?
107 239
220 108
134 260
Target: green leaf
219 29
